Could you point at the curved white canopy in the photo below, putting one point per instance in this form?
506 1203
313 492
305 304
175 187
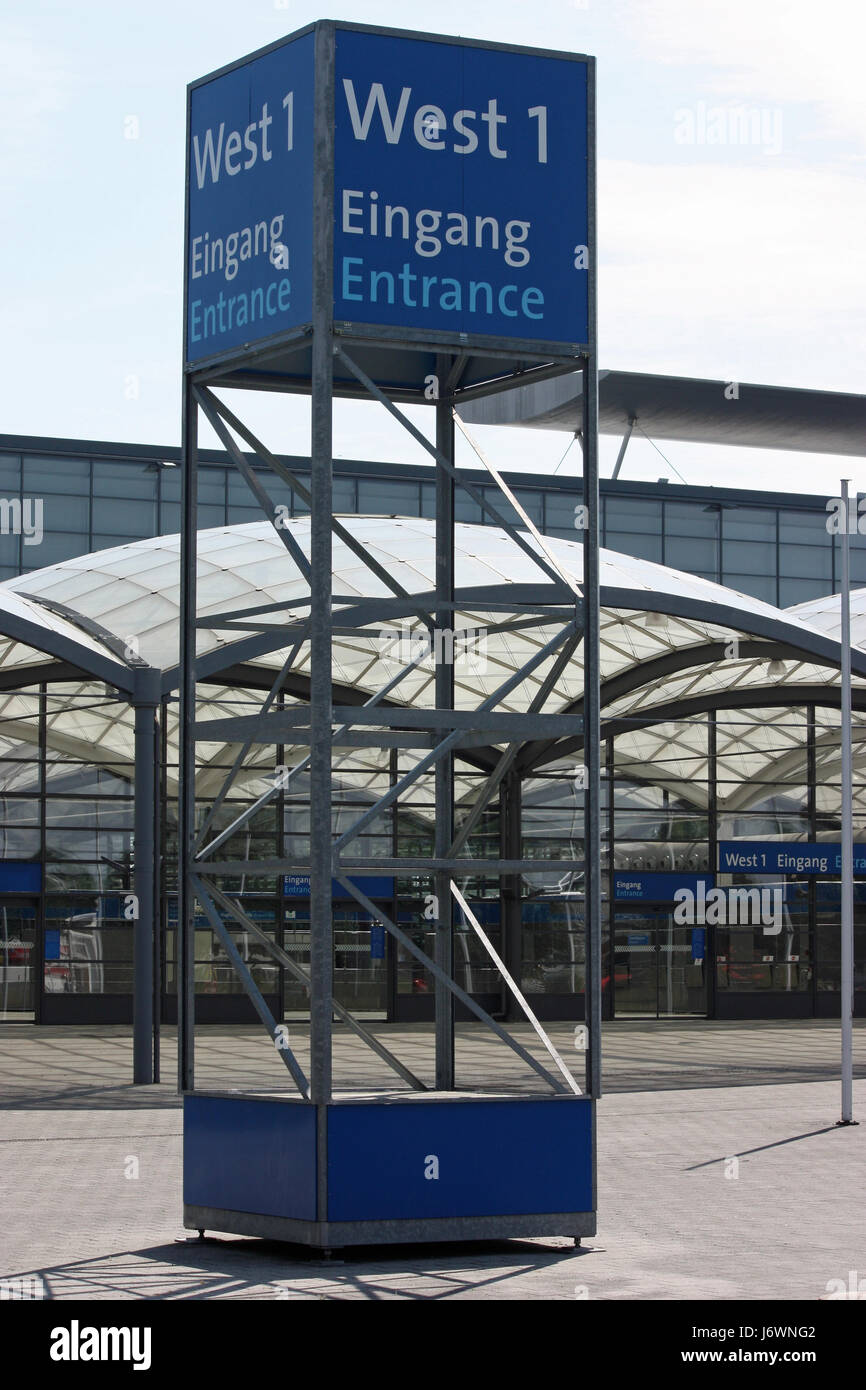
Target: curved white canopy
673 645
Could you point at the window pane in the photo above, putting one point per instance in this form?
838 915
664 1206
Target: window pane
691 519
15 810
642 547
531 502
559 510
757 587
237 516
169 518
19 844
804 528
125 480
802 561
66 514
127 518
211 485
10 474
10 552
54 548
378 496
793 591
749 524
632 513
748 557
465 509
344 495
685 554
66 475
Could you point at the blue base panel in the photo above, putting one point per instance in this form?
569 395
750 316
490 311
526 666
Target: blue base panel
397 1169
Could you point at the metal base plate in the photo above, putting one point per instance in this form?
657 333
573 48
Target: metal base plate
332 1234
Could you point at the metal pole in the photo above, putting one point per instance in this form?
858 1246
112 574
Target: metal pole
185 938
846 1000
145 701
321 832
512 908
443 952
159 858
622 448
592 647
592 727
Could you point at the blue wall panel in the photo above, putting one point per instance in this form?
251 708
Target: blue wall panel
250 1155
492 1157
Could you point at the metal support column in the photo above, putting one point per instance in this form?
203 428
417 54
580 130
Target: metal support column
444 775
145 701
710 937
321 585
511 912
185 946
592 725
846 983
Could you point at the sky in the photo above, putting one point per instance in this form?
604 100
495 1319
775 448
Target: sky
740 260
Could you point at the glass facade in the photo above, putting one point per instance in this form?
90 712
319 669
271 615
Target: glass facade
66 830
92 499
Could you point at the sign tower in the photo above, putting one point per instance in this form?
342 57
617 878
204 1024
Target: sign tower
407 218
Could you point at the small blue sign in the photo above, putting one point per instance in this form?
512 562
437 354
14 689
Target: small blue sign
249 249
640 938
52 944
373 885
699 943
653 887
377 942
779 857
460 188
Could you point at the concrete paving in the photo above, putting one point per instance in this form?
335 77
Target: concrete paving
707 1189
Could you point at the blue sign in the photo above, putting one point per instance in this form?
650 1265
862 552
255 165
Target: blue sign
373 885
377 942
250 201
460 188
777 857
699 943
654 887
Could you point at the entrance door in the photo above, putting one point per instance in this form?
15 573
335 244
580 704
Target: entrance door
659 967
18 958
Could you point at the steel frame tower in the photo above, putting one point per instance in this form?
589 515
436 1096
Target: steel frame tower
326 359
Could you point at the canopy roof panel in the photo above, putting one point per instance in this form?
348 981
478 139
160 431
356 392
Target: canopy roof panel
673 645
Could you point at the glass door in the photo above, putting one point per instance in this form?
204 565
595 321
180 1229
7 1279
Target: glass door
659 968
18 956
635 967
360 967
682 969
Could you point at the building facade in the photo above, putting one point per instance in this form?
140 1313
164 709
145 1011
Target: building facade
94 495
735 775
